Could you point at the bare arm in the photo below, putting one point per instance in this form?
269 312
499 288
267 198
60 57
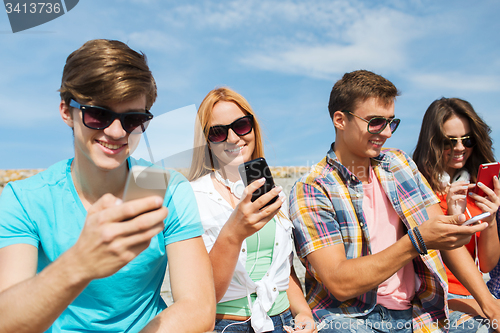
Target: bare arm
30 303
348 278
246 219
301 312
103 248
489 244
192 289
488 251
462 266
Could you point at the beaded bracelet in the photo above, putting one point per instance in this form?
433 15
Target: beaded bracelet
420 240
414 242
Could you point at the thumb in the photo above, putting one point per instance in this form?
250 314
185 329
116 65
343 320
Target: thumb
456 219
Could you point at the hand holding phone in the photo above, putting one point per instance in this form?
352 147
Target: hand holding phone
145 181
477 218
254 170
485 175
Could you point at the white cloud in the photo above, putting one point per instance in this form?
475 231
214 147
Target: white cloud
457 81
156 40
372 39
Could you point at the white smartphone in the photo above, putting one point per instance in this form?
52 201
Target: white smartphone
145 181
476 218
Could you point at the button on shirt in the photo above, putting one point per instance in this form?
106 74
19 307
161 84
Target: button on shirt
326 209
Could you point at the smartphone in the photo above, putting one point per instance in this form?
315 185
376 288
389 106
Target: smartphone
254 170
485 176
476 218
143 181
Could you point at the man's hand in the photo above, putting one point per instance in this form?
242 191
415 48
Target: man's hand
443 232
115 233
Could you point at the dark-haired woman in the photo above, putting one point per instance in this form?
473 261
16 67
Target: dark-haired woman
453 142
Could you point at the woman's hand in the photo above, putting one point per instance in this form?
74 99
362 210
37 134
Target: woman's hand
490 202
249 217
456 199
303 323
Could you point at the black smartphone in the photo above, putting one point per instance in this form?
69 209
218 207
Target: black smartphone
254 170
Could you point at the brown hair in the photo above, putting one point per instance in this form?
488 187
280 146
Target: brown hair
428 154
203 161
356 87
107 71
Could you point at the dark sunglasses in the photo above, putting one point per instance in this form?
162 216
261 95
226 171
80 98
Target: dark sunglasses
377 124
468 142
98 118
241 126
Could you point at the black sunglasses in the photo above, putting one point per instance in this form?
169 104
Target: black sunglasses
241 126
468 142
98 118
377 124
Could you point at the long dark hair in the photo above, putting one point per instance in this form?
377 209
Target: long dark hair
428 154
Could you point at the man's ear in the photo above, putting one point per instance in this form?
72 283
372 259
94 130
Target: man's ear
339 120
66 114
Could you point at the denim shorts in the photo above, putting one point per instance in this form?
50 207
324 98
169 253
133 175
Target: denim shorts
383 320
457 296
283 319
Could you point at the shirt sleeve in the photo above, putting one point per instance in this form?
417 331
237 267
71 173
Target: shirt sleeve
428 196
183 220
16 226
313 217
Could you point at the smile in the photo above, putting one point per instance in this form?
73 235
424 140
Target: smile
110 146
377 143
235 150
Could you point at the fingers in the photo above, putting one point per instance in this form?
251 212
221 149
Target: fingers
265 198
128 210
252 187
458 187
106 201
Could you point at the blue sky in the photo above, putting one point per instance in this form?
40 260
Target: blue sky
283 56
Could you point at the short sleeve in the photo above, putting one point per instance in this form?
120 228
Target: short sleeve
16 226
183 220
313 217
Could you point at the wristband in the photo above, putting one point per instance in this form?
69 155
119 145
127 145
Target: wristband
414 242
420 240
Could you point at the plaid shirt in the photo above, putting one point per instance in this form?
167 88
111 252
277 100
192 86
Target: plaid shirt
326 209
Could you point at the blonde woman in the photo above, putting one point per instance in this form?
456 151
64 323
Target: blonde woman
250 246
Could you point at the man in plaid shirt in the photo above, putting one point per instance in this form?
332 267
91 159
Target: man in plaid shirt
368 227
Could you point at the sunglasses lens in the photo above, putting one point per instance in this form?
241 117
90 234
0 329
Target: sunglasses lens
394 125
447 144
377 125
243 126
136 122
469 142
217 134
97 118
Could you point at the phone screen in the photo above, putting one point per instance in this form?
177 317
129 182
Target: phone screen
254 170
145 181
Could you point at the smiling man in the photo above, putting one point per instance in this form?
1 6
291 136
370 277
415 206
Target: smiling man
368 226
73 256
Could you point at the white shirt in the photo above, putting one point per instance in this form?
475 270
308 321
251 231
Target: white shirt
214 213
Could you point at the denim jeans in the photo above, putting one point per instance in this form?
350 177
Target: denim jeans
380 319
283 319
383 320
